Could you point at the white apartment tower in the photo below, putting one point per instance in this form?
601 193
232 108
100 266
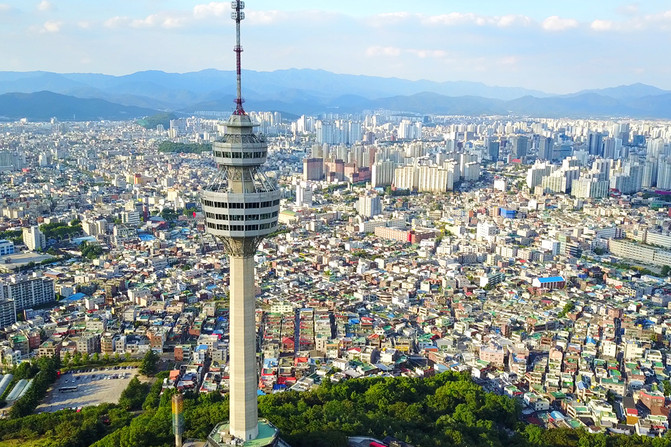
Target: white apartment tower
34 238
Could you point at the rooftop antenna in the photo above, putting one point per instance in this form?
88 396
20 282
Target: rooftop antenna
238 16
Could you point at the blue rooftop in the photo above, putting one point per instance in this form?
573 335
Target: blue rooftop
550 279
76 296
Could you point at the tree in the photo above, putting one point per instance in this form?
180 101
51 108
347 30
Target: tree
134 395
568 307
666 270
667 387
149 365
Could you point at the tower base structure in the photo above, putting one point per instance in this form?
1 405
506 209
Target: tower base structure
268 436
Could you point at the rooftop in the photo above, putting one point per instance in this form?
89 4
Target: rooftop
268 433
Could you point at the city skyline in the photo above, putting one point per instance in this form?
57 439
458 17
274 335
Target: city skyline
553 48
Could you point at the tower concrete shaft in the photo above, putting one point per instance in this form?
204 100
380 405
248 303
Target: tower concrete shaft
243 382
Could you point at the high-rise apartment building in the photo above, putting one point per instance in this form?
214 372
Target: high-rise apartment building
369 205
34 238
27 291
303 194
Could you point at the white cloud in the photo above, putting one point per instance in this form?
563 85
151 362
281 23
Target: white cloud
460 18
383 51
396 52
513 20
4 7
602 25
159 20
628 10
44 5
556 23
428 54
455 18
51 26
389 18
509 60
212 9
117 22
266 17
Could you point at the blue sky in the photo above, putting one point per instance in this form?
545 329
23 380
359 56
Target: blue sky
558 46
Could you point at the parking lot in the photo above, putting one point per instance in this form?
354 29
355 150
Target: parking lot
81 388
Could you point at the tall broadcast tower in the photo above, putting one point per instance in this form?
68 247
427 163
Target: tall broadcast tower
241 208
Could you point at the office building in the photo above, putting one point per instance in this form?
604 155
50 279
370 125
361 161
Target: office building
520 146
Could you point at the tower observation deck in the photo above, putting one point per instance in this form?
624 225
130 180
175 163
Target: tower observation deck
241 207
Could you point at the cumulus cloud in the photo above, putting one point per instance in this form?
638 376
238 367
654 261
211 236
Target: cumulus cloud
455 18
396 52
44 5
383 51
117 22
159 20
51 26
266 17
390 18
556 23
628 10
428 54
602 25
469 18
513 20
216 9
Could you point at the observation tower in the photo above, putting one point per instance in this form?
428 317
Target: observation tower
241 208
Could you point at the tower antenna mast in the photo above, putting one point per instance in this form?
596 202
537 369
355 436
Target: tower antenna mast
238 16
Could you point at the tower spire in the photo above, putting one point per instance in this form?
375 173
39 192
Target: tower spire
238 16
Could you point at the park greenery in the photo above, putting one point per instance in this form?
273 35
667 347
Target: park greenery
149 365
15 236
151 122
184 148
448 409
60 230
43 372
91 250
79 360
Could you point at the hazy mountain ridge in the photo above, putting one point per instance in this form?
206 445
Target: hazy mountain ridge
202 85
303 92
42 106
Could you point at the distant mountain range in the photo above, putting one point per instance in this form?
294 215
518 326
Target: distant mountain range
85 96
42 106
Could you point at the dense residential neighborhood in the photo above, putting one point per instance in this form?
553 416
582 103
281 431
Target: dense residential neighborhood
531 253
